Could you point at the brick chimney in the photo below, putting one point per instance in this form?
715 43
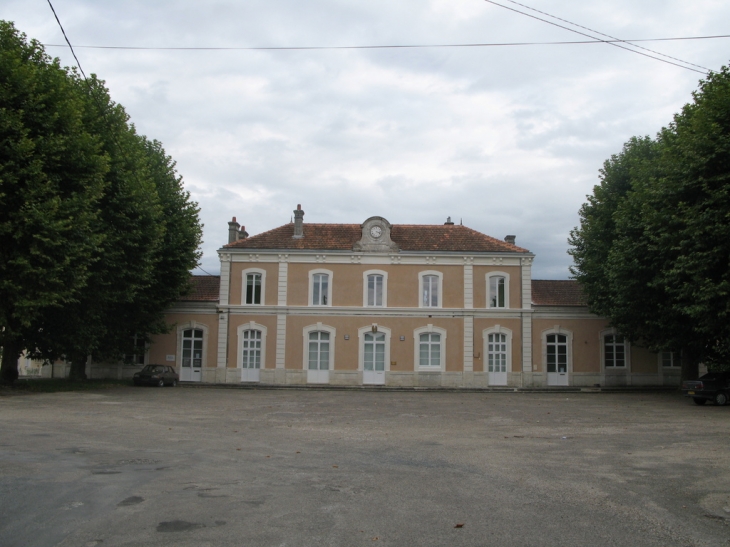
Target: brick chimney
233 232
510 239
298 222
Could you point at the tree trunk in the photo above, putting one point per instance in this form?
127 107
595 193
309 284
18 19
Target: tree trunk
9 367
690 365
78 366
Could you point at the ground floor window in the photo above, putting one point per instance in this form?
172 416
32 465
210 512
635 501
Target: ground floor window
670 359
319 350
614 351
138 351
192 348
251 349
429 350
497 352
557 352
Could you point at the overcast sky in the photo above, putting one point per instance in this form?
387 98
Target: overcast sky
508 139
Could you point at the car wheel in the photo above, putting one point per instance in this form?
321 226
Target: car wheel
161 383
699 401
174 383
720 398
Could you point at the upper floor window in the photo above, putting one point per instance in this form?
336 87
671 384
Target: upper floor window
497 290
253 288
614 351
320 289
430 285
375 288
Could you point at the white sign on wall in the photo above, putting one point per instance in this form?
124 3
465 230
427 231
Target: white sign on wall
169 358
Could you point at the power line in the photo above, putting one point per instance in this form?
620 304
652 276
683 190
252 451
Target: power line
609 42
407 46
607 35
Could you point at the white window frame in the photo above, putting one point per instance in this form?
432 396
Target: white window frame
182 328
568 340
251 325
312 273
497 329
440 285
673 357
244 284
305 343
417 350
365 276
145 355
488 278
627 353
361 332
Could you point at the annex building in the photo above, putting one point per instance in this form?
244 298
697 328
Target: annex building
397 305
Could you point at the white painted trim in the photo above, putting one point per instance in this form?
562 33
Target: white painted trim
416 350
365 275
488 276
361 345
468 343
329 287
244 274
305 339
281 341
496 329
440 276
282 283
251 325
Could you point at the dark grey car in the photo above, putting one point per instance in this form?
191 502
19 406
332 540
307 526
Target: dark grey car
156 375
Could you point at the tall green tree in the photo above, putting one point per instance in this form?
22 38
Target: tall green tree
141 236
52 179
656 260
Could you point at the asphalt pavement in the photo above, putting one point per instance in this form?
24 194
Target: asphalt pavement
220 467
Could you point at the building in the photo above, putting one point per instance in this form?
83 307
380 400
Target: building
397 305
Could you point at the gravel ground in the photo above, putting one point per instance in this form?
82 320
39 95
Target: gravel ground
219 467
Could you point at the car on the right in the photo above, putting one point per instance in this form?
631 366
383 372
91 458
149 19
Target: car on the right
713 386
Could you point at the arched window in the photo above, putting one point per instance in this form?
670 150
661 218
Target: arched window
429 348
251 349
375 288
496 352
430 285
497 290
320 287
254 286
319 352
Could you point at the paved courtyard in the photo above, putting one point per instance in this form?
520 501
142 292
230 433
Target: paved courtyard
232 467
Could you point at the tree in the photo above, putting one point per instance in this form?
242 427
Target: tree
52 178
143 235
653 248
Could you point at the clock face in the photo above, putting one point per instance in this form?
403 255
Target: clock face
376 231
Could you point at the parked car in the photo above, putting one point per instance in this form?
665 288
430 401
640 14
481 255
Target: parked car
156 375
713 386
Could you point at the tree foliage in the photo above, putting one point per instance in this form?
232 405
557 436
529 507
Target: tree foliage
653 247
98 235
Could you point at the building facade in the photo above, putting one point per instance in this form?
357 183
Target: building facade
394 305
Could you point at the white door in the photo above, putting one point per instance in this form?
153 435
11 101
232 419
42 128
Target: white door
251 355
192 356
557 359
497 359
374 358
319 358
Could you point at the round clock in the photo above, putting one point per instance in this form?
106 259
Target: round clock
376 231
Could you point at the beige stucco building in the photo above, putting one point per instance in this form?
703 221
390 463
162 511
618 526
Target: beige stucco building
395 305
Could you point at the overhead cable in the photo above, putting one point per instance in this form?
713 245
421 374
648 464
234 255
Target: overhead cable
614 43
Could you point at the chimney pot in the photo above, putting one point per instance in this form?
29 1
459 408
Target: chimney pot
510 239
298 223
448 222
233 227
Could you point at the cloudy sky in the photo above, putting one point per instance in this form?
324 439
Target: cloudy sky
508 139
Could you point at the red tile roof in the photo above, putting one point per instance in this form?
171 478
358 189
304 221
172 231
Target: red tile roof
203 288
409 237
557 293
